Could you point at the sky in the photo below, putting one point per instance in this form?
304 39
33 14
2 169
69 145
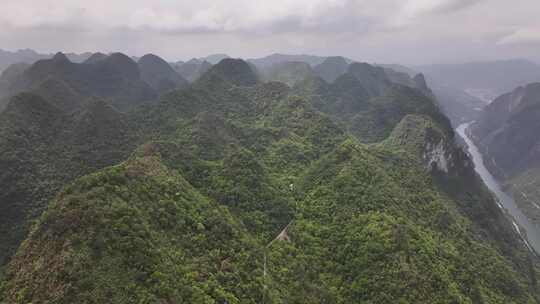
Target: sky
380 31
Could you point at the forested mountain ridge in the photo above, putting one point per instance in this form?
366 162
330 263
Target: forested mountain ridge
219 169
44 147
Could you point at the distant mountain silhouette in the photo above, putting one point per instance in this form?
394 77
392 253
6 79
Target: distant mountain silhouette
96 57
289 72
115 77
30 56
273 59
214 58
331 68
233 71
192 69
159 74
374 79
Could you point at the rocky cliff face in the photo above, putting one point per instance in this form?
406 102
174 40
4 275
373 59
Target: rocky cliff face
506 132
507 135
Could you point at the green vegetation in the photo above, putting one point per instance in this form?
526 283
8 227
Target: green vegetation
218 170
135 233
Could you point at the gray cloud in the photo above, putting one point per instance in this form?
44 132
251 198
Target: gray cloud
522 36
407 31
450 6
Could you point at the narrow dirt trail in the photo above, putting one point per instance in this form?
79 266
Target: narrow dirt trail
283 236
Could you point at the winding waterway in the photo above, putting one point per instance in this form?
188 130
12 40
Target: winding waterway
505 201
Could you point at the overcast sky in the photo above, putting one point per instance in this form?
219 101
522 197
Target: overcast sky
383 31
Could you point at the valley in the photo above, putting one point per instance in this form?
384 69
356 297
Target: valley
531 233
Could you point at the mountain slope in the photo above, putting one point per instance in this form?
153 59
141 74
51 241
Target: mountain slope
289 72
372 78
159 74
181 247
115 77
193 69
506 130
331 68
272 59
44 147
367 103
506 134
379 223
234 71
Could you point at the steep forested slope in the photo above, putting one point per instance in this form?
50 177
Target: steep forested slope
367 102
135 232
223 167
42 148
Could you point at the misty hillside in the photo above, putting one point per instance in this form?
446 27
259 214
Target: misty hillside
159 74
312 60
116 77
30 56
192 69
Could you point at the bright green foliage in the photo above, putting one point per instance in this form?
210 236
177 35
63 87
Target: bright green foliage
368 235
135 233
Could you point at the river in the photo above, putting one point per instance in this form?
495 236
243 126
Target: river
505 201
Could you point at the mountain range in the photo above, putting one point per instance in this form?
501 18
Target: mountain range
241 188
29 56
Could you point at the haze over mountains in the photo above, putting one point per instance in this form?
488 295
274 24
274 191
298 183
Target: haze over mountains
290 152
487 79
292 179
